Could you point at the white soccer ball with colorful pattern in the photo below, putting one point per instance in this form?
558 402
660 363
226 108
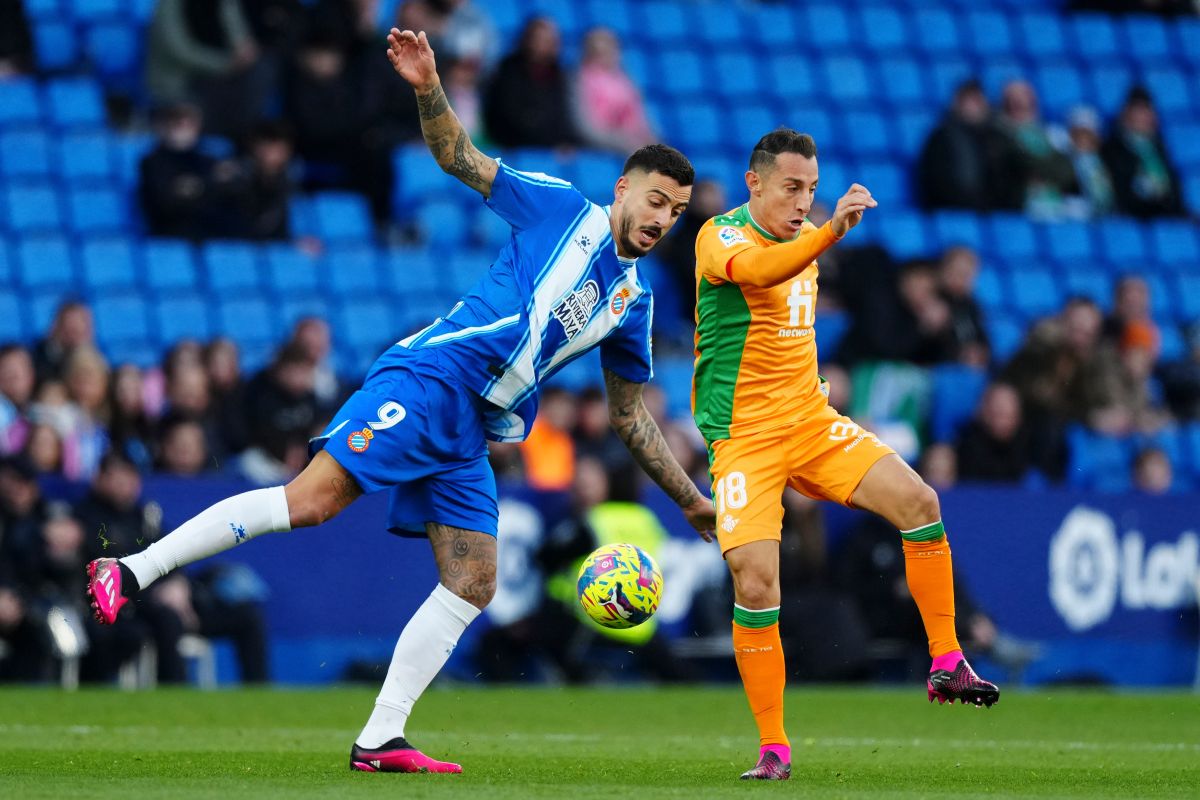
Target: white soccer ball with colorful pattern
620 586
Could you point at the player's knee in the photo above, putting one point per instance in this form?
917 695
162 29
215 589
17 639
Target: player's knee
755 589
477 589
306 510
924 506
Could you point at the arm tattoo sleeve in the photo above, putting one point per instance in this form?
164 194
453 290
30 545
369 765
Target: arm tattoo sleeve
641 435
449 143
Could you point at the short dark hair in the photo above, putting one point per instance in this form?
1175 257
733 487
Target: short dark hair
663 159
781 140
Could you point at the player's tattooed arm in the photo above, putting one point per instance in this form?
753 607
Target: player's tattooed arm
633 423
452 148
466 562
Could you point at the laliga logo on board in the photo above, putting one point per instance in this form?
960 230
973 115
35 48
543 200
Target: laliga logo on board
1090 568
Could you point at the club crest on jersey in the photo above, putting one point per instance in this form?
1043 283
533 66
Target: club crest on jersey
576 308
619 302
730 236
359 441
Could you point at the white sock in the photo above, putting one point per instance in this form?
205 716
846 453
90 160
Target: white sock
424 645
219 527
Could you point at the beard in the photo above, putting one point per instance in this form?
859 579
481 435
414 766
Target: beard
631 238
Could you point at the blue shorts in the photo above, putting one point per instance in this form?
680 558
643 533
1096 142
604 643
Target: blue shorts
419 435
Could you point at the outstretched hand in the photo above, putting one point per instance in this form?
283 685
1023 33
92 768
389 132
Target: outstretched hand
850 209
412 58
702 516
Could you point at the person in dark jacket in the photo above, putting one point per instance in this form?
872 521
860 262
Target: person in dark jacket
1145 182
528 103
16 43
176 180
995 446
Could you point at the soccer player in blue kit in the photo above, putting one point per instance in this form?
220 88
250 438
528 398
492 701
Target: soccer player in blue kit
567 281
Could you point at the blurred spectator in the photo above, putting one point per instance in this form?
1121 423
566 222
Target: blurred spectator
1131 307
130 429
465 32
113 515
678 250
86 439
273 23
189 397
71 328
549 452
969 161
22 508
1119 395
1144 180
17 379
1152 472
594 436
44 450
203 51
921 330
939 466
995 446
24 652
1046 171
527 103
176 180
16 42
283 414
222 360
1167 8
183 448
1091 175
609 111
311 336
463 90
957 274
262 186
1181 379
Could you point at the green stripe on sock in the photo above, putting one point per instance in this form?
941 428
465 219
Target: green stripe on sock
930 533
749 618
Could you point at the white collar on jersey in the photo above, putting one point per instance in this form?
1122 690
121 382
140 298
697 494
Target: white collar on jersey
625 262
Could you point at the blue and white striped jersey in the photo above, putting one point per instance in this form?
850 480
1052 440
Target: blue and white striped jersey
557 289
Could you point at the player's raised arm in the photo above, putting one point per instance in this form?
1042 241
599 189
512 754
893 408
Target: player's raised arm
452 148
633 423
771 266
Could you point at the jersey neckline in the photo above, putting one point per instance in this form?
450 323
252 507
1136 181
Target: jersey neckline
744 213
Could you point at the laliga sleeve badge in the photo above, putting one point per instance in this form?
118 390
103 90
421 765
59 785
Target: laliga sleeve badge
359 441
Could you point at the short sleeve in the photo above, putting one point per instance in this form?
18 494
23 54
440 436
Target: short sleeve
626 351
716 245
524 199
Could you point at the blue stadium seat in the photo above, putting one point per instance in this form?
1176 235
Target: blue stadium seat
912 128
883 29
1094 36
683 71
19 102
848 80
1183 143
989 33
989 289
7 268
1162 299
570 18
867 134
114 48
1171 345
459 272
948 72
1107 86
1060 88
1069 243
1122 241
1098 462
55 46
33 208
291 271
410 270
1035 293
717 27
493 233
1012 237
999 71
1191 437
889 184
638 65
231 267
902 82
673 376
1188 296
958 227
1146 38
25 153
352 271
1171 89
789 75
343 215
418 177
1191 192
121 318
906 235
11 325
697 126
670 20
751 121
1087 281
1175 243
40 307
827 26
733 69
94 210
109 263
829 327
1041 34
249 320
1187 31
936 31
773 25
45 262
443 224
74 102
595 174
178 318
835 178
85 155
1005 336
296 307
366 324
955 395
170 266
94 10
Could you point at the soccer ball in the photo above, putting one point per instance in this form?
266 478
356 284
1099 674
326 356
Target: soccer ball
620 586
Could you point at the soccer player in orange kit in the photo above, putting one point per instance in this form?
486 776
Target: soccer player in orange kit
758 401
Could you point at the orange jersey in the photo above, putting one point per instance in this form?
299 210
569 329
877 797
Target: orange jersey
756 355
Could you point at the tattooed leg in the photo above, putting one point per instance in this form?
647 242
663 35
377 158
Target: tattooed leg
466 562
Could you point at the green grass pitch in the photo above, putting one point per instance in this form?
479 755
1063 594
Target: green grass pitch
615 742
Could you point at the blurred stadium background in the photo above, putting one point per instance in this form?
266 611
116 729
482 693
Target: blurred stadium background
214 215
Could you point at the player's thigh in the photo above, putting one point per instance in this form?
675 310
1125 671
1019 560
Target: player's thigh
321 491
749 474
830 455
893 490
466 561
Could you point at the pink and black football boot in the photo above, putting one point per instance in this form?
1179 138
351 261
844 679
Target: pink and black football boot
397 755
771 765
952 678
104 590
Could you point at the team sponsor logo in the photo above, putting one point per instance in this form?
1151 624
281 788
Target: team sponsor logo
619 302
730 236
584 243
359 441
728 523
576 308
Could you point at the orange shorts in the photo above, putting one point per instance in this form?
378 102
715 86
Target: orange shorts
824 457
